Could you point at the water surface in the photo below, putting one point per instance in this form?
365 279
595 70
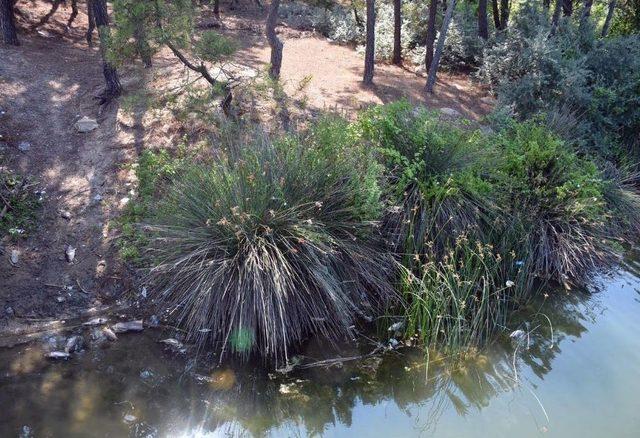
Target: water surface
579 379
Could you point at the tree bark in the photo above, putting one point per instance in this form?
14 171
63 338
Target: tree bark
556 16
505 6
496 14
397 32
112 81
433 70
567 8
586 12
274 42
7 23
483 25
431 33
74 13
92 23
607 22
370 43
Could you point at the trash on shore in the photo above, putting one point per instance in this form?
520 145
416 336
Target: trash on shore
129 326
58 355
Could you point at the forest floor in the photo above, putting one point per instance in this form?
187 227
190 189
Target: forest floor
50 81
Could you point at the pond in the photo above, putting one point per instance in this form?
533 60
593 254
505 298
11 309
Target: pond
576 374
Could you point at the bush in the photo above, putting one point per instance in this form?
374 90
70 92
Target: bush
433 169
555 201
271 243
595 81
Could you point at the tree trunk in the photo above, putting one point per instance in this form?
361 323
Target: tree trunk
274 42
397 32
431 33
496 14
505 6
483 25
7 23
92 23
433 70
370 43
607 22
112 81
142 45
356 17
74 13
216 8
586 12
567 8
556 16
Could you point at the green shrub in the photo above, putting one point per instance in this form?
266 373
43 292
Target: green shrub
555 199
271 242
433 169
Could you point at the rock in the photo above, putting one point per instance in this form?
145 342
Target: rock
65 215
129 326
109 334
450 112
86 124
58 355
24 146
14 257
96 321
74 343
70 253
124 201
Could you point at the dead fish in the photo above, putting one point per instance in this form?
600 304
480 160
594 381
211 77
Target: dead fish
129 326
70 253
202 379
109 334
58 355
96 321
74 343
396 327
174 344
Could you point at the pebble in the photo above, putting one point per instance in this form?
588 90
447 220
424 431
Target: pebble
24 146
65 215
70 253
15 256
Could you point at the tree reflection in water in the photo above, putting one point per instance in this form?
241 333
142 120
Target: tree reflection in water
104 389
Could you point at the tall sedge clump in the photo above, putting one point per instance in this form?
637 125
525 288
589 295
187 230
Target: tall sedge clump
273 242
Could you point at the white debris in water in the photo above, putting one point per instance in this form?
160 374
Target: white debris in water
129 418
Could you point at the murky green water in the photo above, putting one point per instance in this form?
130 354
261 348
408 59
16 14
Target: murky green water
582 382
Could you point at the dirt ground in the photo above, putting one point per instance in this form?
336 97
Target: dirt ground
50 81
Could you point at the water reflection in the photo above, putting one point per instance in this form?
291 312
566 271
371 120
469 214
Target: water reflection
134 387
